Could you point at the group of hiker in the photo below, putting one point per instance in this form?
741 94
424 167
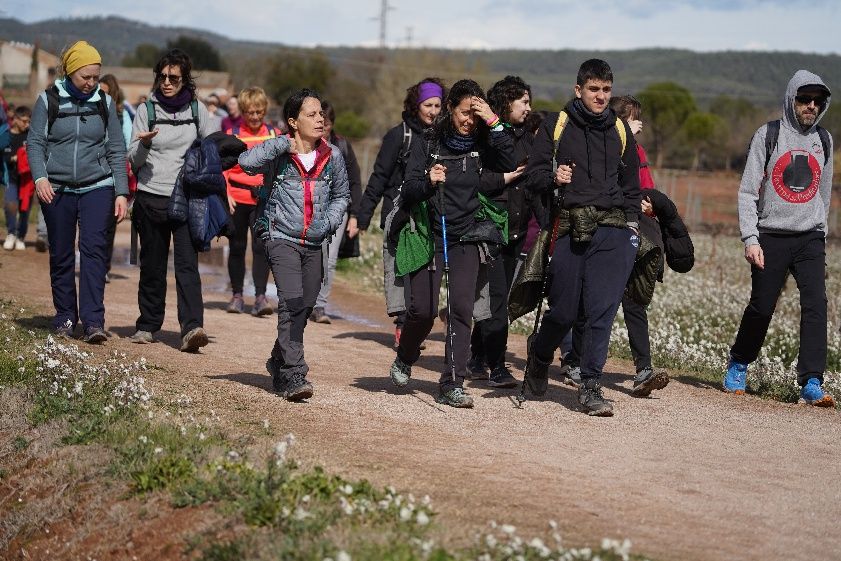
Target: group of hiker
497 204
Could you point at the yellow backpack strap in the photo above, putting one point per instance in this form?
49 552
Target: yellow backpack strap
623 135
556 138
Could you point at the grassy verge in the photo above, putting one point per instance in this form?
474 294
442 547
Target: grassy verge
266 507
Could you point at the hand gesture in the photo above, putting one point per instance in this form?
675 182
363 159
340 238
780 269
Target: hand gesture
146 137
120 208
481 109
510 176
352 229
563 175
635 126
755 256
232 204
647 208
438 174
293 145
44 189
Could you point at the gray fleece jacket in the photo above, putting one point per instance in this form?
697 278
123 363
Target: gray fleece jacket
792 195
157 167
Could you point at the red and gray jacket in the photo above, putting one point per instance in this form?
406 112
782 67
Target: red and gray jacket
302 206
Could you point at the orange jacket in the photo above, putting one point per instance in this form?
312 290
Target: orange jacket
239 181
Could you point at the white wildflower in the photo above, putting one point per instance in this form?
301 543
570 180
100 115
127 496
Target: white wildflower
405 514
422 518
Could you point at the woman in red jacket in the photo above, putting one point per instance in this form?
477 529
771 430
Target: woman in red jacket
242 201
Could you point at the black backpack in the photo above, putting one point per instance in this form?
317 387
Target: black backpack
53 111
772 134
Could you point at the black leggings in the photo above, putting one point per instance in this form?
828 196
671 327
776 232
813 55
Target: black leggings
244 217
422 290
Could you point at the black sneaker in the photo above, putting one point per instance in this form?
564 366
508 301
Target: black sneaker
501 378
537 371
648 380
297 388
476 369
95 335
573 377
591 398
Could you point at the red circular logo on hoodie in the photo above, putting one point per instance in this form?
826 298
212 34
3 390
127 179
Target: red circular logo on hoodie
796 176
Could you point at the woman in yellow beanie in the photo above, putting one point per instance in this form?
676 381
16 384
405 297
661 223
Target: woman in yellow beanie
77 154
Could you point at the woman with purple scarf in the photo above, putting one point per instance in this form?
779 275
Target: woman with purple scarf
164 128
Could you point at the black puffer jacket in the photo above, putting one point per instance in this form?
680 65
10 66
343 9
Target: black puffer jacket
680 252
388 172
513 197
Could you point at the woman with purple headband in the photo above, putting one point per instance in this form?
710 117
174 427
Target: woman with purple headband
421 107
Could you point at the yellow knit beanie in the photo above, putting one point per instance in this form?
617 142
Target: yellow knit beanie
80 54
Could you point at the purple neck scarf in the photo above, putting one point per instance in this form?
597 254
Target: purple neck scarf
175 103
75 92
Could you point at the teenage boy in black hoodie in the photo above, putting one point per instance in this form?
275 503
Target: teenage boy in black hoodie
597 187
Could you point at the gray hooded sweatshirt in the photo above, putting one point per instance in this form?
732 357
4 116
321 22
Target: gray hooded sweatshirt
792 195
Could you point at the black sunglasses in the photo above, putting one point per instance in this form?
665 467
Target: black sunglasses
173 78
807 99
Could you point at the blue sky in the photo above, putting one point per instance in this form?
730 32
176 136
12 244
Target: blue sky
704 25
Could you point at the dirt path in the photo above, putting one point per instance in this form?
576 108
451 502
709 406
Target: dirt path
693 474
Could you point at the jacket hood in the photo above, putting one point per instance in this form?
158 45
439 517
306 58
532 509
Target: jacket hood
802 78
413 122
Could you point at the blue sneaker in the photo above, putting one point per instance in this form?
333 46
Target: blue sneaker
814 395
735 379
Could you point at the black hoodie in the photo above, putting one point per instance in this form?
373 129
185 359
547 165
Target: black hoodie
600 178
387 175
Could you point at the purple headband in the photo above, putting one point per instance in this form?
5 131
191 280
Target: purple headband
428 90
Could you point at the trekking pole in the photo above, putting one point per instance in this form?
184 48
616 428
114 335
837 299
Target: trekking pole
450 334
555 214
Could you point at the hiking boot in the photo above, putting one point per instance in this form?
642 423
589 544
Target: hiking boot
297 388
95 335
573 377
455 398
648 380
813 394
20 245
9 243
537 371
318 315
735 379
194 340
476 369
41 245
236 305
262 306
400 372
64 331
142 337
501 378
278 379
591 398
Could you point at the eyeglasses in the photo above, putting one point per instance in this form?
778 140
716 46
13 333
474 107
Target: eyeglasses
174 79
807 99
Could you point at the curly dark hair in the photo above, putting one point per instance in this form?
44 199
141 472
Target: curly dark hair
443 126
504 92
410 102
176 57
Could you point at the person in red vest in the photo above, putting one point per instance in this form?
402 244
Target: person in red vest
242 201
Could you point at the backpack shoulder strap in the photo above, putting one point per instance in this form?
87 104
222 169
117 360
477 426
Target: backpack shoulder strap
556 138
194 108
102 107
824 134
405 146
150 113
623 135
52 106
772 133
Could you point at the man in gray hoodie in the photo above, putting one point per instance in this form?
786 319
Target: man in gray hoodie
783 206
